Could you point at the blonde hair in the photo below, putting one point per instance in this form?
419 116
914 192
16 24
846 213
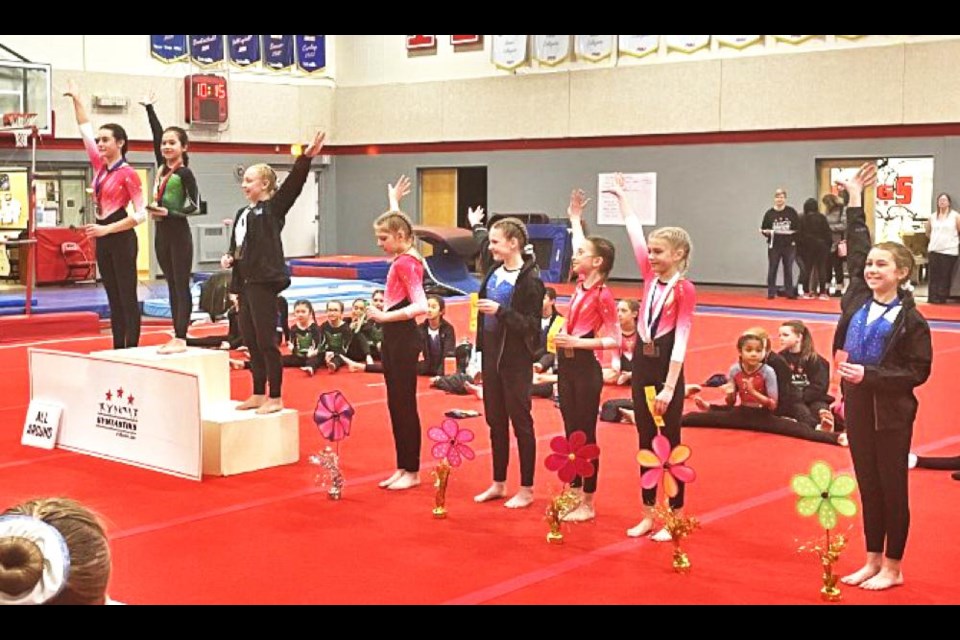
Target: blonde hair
86 541
677 238
396 223
267 174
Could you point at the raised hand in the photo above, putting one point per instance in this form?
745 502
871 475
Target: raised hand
316 146
149 99
475 216
73 90
578 201
397 192
619 186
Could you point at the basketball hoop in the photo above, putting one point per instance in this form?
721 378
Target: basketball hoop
22 127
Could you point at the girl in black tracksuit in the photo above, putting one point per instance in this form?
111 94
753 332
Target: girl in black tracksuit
259 270
508 324
809 376
889 355
438 339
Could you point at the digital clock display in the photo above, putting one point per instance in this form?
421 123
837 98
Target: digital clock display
205 99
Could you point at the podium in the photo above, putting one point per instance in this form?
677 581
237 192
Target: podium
233 441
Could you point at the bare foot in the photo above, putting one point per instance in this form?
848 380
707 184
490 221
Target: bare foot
383 484
307 370
884 580
584 513
474 389
237 364
496 491
662 536
842 440
407 480
628 415
857 578
356 367
691 390
642 529
702 404
176 345
253 402
522 500
272 405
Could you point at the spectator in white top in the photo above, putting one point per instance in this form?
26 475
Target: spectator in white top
943 227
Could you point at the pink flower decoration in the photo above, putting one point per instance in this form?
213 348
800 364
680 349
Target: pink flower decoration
662 463
333 415
571 458
451 442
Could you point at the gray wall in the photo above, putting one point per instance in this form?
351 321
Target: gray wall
718 192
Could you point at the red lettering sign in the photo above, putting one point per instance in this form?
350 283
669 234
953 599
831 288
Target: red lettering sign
421 42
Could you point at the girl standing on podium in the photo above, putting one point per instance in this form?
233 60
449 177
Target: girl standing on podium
175 196
115 186
259 270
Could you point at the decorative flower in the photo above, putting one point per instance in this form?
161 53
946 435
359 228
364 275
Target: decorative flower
451 442
824 494
333 416
662 463
571 458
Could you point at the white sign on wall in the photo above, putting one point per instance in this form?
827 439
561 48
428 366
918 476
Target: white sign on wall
641 189
126 412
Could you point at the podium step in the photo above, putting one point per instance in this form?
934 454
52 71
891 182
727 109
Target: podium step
212 368
242 441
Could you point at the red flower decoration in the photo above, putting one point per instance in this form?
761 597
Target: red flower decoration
571 458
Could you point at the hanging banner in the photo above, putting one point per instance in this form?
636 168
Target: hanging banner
551 50
311 53
793 39
278 52
461 41
168 48
416 43
638 46
206 51
687 44
508 52
737 42
244 50
594 48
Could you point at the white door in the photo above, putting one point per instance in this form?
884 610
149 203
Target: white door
300 232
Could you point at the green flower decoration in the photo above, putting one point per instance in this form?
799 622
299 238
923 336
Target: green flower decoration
824 494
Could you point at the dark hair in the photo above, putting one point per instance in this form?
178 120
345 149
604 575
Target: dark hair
807 351
810 206
551 293
184 141
440 302
832 202
336 302
308 305
120 134
749 337
633 304
376 291
949 200
603 249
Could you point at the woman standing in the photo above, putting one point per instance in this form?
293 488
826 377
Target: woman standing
943 227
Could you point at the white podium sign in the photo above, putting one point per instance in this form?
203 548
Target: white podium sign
42 425
126 412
